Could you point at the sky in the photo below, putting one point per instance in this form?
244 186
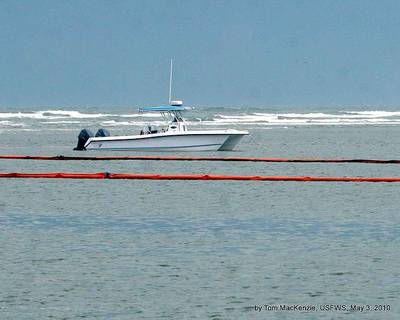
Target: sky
226 53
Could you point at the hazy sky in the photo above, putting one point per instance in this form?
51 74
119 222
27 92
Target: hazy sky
262 53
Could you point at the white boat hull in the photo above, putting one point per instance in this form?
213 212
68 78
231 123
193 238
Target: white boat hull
221 140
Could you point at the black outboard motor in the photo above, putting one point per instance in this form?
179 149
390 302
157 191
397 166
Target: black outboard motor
102 133
84 135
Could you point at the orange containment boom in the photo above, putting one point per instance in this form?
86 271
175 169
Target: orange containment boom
177 158
137 176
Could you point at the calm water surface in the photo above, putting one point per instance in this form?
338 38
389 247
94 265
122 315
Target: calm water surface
196 249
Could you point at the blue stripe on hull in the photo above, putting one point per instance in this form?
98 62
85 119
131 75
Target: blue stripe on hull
156 148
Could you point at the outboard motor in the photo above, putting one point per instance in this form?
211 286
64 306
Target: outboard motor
84 136
102 133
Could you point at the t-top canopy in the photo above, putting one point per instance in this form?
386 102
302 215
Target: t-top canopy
164 108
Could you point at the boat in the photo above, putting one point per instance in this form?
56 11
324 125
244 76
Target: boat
175 136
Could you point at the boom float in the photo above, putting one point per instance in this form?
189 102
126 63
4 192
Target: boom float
135 176
177 158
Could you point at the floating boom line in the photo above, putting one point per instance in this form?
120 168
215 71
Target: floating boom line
138 176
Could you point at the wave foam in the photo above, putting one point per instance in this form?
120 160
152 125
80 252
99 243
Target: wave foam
51 115
316 118
50 119
70 114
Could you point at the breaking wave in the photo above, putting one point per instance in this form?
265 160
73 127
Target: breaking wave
217 117
315 118
66 114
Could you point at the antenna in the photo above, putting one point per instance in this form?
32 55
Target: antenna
170 83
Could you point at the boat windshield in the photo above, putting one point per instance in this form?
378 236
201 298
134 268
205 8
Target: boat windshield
173 116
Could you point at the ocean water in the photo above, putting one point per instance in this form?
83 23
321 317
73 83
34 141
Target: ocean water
81 249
